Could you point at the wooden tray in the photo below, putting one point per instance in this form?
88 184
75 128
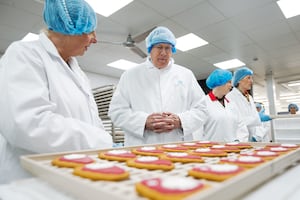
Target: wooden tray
62 178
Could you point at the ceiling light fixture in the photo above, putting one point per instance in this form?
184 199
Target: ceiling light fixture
296 83
107 8
290 8
122 64
229 64
189 41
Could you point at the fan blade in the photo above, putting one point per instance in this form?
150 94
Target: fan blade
142 37
107 42
138 51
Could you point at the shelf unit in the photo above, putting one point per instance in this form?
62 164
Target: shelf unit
102 97
287 129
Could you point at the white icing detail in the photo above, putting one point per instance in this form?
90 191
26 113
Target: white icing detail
266 153
249 159
232 143
288 145
148 148
170 145
178 154
200 150
220 168
96 166
189 143
74 156
204 142
218 146
116 152
152 182
179 183
147 158
278 149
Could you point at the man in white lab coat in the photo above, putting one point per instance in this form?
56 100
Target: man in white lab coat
46 103
158 101
242 104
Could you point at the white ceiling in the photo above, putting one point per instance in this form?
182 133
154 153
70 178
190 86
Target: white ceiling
254 31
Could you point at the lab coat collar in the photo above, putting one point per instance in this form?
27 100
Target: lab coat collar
48 45
72 69
214 98
151 66
51 49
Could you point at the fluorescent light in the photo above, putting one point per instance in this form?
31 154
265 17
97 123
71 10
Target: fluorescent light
189 41
293 84
290 8
290 97
106 8
30 37
122 64
229 64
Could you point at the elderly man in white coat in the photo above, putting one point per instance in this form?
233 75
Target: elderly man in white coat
46 102
158 101
242 104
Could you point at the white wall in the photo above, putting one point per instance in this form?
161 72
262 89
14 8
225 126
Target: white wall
98 80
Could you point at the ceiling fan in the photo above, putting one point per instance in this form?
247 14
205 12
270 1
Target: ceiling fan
130 42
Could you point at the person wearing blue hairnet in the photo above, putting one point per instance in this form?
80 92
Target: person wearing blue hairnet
293 108
47 104
220 124
243 105
264 131
158 101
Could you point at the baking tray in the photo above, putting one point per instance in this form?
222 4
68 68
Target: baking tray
234 188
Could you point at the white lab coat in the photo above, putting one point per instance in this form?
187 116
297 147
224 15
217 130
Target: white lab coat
263 132
45 106
146 89
246 112
220 125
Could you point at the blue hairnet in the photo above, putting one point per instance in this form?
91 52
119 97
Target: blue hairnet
258 105
239 74
218 77
160 35
70 17
293 105
263 117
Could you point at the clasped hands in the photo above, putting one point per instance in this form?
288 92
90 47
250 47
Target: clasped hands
162 122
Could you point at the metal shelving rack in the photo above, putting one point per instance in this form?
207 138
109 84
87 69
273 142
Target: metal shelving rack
102 97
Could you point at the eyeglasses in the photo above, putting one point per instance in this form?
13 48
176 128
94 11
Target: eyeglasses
160 48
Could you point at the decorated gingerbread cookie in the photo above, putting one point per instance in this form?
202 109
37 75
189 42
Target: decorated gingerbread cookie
215 172
148 151
239 145
205 143
151 163
182 157
101 171
72 160
171 188
207 152
173 148
244 161
190 145
227 149
117 155
267 155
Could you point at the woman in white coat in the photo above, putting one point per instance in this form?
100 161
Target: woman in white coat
242 104
46 103
220 124
158 101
